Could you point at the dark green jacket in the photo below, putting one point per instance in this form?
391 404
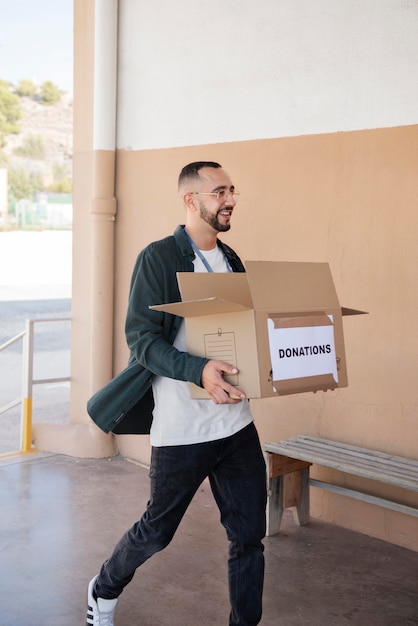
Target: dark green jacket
125 404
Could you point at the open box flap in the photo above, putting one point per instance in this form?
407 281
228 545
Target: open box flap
346 311
205 306
276 286
226 286
308 383
291 286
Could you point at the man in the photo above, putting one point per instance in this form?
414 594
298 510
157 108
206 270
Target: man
191 439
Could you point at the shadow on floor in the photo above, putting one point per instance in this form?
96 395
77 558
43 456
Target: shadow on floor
60 518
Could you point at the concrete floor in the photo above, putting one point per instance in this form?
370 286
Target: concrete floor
60 518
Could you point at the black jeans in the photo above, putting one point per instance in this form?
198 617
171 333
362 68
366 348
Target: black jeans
236 470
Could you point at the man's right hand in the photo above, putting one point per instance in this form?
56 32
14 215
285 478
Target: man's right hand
219 390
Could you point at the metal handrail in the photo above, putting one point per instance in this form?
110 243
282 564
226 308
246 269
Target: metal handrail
12 340
27 379
10 405
5 345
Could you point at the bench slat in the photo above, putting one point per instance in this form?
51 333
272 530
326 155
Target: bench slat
394 470
367 458
355 450
347 449
329 447
373 471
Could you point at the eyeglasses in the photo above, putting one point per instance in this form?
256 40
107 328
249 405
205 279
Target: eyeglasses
221 195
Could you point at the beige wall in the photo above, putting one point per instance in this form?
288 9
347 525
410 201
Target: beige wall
344 198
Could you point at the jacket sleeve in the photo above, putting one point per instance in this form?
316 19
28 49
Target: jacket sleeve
149 333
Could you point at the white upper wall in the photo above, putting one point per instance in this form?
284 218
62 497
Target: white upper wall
231 70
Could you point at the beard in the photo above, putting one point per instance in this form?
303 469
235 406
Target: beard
212 219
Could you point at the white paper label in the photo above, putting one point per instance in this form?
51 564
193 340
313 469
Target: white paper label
302 351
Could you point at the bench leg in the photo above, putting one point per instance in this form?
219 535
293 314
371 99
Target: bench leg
301 510
288 491
288 487
275 508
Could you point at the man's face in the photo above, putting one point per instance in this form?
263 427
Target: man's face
216 209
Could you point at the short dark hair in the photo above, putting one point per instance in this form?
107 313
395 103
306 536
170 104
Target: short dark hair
191 171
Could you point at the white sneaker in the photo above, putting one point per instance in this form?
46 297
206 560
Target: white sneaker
99 612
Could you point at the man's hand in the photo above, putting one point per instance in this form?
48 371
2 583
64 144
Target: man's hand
220 391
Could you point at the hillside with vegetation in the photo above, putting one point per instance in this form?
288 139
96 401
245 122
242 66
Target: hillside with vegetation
36 137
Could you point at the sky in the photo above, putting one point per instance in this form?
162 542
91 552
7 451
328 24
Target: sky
36 42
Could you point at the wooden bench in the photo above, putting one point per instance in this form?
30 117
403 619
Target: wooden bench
288 464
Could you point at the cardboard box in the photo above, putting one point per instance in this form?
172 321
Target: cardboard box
280 324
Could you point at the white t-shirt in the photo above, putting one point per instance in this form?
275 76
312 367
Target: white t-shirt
177 418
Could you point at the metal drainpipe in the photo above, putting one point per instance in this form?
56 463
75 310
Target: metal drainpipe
103 205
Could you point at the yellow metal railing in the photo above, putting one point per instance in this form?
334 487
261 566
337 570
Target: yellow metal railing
27 379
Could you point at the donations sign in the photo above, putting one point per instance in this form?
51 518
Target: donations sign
302 347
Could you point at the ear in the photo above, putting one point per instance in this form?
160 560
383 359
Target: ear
189 201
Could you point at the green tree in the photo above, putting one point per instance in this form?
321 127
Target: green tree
23 184
10 112
50 94
61 184
26 88
32 146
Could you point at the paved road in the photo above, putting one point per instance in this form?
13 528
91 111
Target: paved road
35 283
35 265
